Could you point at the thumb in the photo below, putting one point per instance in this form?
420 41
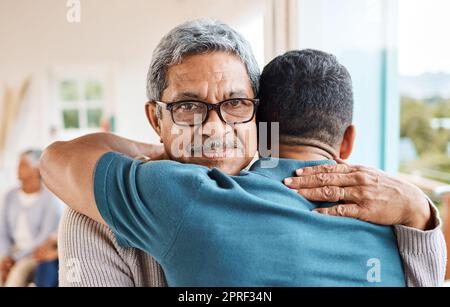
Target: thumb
344 210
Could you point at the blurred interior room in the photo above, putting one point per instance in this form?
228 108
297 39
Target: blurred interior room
63 77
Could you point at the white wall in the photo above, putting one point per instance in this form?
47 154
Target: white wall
36 39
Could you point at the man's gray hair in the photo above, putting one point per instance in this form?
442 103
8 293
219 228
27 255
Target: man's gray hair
33 156
198 37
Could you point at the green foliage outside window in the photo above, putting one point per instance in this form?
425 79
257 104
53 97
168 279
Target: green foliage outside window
431 143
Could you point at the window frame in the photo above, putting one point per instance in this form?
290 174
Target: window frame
81 74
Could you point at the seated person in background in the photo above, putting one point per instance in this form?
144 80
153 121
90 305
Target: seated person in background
209 228
29 217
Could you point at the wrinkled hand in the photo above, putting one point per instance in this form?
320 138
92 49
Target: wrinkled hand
46 252
39 254
368 194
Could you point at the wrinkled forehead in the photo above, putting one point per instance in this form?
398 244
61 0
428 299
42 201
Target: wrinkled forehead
209 75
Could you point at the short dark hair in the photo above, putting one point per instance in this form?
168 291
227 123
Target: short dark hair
309 93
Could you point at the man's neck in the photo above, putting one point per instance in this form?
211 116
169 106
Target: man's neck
306 152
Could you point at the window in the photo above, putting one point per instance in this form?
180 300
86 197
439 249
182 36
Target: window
362 35
81 104
424 84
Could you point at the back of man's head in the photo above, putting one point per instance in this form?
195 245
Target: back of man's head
310 94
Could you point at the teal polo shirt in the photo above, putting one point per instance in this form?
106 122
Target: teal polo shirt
207 228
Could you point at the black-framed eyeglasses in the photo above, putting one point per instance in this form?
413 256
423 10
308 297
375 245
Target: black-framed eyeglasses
193 113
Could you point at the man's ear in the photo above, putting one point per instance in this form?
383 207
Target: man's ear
347 142
153 116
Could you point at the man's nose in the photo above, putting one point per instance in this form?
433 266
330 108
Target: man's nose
214 125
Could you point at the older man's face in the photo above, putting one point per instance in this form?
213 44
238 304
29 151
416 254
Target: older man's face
210 78
28 175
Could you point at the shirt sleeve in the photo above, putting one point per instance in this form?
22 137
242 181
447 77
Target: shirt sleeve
145 203
5 237
424 253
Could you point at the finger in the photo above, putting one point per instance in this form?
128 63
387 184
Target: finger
343 210
327 168
332 194
326 179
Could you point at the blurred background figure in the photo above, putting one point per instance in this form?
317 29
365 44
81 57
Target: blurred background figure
28 223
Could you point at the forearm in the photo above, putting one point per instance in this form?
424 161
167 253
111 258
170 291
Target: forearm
424 254
67 168
110 142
